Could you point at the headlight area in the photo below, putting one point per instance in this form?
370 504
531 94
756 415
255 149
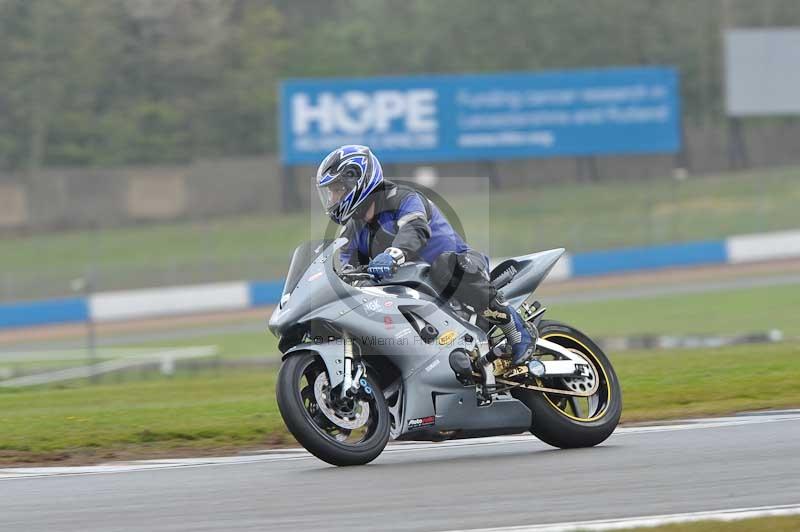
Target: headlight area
313 332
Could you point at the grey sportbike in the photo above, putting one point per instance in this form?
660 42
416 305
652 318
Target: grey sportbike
365 361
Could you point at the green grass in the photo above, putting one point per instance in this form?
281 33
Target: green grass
669 384
789 523
211 410
233 345
576 216
184 412
236 409
618 214
729 312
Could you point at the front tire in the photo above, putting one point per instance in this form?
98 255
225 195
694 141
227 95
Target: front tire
567 422
301 384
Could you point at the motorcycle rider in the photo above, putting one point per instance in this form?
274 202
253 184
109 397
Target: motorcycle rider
388 224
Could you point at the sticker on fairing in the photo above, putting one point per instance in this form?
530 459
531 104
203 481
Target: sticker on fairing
447 338
373 306
421 422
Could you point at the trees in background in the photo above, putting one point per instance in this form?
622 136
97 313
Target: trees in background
111 82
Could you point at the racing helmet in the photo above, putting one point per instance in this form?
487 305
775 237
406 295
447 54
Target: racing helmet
345 179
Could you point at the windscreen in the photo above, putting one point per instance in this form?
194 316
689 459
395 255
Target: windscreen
302 258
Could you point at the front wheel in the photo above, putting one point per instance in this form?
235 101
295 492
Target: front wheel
567 421
340 432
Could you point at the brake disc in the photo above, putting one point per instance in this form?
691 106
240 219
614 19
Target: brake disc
585 382
349 419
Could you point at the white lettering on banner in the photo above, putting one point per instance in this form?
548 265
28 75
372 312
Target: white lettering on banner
615 94
545 139
581 116
422 111
359 104
375 141
360 112
514 99
303 113
389 105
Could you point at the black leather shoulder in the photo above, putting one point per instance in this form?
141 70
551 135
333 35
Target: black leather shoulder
396 193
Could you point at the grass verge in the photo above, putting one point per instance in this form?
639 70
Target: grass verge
207 412
789 523
736 311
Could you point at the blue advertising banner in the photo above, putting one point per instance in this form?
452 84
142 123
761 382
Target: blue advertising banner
484 117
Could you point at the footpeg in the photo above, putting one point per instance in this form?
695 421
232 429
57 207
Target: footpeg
533 367
516 372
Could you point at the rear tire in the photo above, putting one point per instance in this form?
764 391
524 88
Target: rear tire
559 427
309 434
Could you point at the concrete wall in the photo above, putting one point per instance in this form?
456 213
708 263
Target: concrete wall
64 198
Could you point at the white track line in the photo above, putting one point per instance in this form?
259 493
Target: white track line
281 455
736 514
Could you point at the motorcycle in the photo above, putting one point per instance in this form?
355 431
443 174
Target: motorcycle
364 361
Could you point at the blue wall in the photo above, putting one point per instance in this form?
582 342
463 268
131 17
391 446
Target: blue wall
27 314
648 258
265 292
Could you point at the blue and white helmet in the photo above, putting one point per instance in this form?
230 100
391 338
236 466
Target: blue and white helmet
345 179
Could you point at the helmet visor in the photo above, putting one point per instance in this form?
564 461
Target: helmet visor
332 193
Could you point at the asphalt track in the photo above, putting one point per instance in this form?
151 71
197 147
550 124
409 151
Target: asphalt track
715 464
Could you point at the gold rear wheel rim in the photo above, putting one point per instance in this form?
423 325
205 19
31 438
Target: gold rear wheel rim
605 385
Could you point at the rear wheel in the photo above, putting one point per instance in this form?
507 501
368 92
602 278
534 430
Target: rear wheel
341 432
568 421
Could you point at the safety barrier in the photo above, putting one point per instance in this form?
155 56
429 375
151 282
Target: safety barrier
157 302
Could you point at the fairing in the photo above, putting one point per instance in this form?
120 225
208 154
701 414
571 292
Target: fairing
378 320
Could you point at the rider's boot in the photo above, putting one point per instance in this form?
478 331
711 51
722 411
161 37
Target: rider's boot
520 336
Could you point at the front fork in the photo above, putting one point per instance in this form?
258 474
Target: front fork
353 381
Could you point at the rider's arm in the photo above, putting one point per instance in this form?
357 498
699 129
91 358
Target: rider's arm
413 230
351 252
